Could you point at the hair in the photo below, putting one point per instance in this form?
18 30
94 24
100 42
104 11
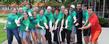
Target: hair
67 10
90 7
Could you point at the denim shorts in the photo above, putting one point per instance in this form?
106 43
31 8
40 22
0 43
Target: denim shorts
41 31
23 35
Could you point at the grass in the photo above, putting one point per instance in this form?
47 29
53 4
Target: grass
3 36
2 33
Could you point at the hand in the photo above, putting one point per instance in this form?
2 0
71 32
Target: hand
18 23
76 24
55 27
81 28
43 28
26 29
61 28
50 30
66 27
47 27
37 26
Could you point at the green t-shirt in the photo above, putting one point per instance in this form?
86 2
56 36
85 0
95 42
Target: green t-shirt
23 25
33 21
24 8
73 14
70 22
20 15
49 17
60 17
85 15
42 19
11 21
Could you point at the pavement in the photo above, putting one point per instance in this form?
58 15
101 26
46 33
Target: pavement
103 39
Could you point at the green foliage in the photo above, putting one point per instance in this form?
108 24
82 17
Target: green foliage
7 2
2 33
104 22
53 3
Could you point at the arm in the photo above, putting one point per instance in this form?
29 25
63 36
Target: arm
40 26
86 27
17 21
56 23
62 23
29 13
66 24
45 24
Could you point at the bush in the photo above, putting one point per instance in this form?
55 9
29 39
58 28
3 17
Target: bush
104 22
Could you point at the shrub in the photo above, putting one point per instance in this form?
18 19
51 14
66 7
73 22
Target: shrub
104 22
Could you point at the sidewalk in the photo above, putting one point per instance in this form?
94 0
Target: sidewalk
103 39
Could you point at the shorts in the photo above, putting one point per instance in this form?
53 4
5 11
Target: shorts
41 31
32 30
86 32
23 35
95 35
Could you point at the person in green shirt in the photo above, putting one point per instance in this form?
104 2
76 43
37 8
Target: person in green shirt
49 16
67 27
73 14
56 26
33 22
86 33
24 28
42 26
20 16
11 27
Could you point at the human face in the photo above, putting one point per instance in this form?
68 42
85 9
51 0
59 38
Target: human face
48 10
14 10
79 6
90 11
62 9
41 12
25 15
85 8
57 12
66 12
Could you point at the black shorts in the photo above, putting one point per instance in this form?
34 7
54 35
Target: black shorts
86 32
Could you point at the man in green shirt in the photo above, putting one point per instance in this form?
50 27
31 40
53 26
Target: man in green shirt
86 33
12 27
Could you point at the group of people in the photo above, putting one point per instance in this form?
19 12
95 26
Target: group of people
40 25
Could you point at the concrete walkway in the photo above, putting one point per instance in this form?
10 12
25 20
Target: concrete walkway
103 39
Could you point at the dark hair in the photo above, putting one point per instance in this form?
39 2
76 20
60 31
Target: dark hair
67 10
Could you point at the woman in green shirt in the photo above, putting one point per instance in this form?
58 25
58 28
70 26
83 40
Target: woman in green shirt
67 27
24 28
42 26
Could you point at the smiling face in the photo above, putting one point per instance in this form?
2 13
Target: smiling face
41 12
25 15
56 12
66 12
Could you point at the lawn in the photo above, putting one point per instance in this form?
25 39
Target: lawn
2 33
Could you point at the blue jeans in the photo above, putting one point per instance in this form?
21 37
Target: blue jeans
10 33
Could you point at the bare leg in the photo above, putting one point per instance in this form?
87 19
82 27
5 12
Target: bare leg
44 40
86 38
